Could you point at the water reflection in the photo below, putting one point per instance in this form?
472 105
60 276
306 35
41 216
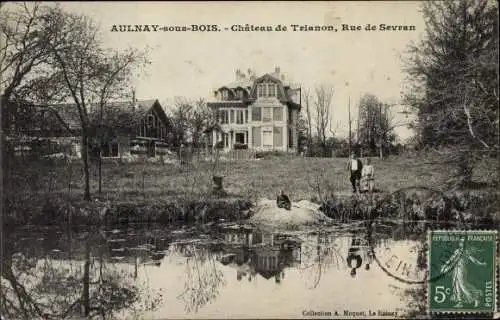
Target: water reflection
252 252
160 272
359 253
53 274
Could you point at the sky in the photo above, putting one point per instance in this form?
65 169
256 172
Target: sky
193 64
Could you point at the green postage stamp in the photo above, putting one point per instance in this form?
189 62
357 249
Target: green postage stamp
462 271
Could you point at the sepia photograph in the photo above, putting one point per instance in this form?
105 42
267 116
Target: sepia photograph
249 160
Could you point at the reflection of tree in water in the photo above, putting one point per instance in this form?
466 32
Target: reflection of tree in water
320 253
59 285
203 278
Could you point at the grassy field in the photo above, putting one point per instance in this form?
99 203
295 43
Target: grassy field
301 178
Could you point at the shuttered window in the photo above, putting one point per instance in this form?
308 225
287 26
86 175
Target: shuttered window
278 137
256 137
267 139
278 114
256 114
267 115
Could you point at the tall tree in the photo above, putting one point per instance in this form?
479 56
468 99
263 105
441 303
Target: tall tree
456 71
323 96
111 84
28 31
308 118
88 70
376 124
189 121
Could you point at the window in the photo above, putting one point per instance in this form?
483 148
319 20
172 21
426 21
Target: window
239 116
224 94
278 137
267 139
267 114
278 114
239 137
225 139
110 149
267 90
256 137
271 90
232 116
261 90
239 93
246 116
256 114
151 121
223 116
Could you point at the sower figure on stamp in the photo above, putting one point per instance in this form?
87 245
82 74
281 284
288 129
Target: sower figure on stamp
462 291
354 166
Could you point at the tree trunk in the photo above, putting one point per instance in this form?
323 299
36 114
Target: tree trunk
86 281
100 170
85 158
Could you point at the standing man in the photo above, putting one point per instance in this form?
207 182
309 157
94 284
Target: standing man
354 166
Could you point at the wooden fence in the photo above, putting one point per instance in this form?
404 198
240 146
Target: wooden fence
230 155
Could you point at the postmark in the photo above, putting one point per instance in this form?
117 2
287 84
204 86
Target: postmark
465 281
398 228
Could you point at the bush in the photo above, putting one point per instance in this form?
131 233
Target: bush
271 154
240 146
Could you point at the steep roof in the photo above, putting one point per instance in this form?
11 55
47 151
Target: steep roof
69 114
249 84
241 83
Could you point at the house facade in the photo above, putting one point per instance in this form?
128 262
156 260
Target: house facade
146 133
129 129
258 113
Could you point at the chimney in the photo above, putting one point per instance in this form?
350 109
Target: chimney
238 74
251 74
277 71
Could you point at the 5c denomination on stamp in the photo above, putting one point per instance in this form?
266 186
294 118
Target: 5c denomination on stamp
465 280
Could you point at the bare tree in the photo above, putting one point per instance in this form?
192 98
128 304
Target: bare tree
28 31
189 120
322 104
87 70
115 71
376 124
307 100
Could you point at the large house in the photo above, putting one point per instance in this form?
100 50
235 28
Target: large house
137 128
257 113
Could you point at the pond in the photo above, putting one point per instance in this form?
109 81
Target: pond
219 270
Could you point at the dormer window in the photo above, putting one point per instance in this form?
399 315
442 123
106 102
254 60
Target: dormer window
151 121
239 94
224 95
261 90
266 90
271 89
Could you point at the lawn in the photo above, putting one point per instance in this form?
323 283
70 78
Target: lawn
298 177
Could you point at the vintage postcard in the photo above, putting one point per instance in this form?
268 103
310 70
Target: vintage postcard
264 159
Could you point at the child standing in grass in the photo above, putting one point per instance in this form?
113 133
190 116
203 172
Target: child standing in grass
367 176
